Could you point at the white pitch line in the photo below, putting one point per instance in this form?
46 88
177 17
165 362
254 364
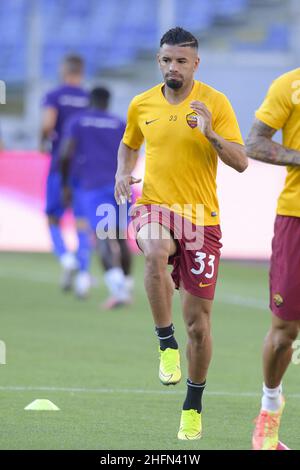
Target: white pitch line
129 391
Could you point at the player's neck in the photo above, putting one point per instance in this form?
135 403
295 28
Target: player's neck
177 96
70 81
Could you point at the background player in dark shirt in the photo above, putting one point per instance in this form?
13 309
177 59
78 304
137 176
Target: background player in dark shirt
59 105
91 142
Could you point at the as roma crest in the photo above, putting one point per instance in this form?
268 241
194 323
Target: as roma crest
278 300
192 120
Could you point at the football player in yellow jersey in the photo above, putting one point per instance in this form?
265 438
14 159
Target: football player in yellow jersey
185 124
280 110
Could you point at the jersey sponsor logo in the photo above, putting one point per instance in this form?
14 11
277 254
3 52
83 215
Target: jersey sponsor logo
75 101
205 285
100 123
278 300
192 119
152 120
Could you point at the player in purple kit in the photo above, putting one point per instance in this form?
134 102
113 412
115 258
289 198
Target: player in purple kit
58 106
91 141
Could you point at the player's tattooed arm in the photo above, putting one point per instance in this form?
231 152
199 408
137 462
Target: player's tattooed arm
218 146
259 146
231 153
127 158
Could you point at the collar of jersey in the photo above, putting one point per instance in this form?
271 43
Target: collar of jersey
187 99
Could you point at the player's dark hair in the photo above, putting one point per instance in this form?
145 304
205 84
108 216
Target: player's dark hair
74 64
99 97
179 37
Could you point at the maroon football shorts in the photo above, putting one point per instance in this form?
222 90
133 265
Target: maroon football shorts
285 268
196 261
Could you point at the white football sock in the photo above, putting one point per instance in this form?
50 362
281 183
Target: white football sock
82 283
115 282
68 261
272 398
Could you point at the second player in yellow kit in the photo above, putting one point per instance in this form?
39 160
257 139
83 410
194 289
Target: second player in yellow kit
280 110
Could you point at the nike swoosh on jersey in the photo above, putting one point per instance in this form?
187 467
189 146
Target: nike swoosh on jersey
149 122
205 285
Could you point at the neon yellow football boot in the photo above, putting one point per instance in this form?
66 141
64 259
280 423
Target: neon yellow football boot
190 425
265 435
169 366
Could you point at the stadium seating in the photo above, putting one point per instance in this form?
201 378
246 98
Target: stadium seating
107 33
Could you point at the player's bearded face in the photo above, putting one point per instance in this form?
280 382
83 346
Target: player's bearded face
177 64
173 82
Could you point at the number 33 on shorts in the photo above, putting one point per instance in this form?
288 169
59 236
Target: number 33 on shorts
206 263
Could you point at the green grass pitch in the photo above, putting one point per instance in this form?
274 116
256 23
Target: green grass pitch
100 368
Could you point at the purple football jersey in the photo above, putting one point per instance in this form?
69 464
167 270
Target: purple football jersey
97 135
68 101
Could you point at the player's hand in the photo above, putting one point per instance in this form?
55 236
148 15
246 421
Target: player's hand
67 196
122 188
205 117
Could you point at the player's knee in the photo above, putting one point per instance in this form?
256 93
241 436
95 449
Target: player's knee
156 256
198 331
281 343
283 338
155 265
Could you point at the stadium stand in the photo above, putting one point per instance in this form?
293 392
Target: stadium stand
110 34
